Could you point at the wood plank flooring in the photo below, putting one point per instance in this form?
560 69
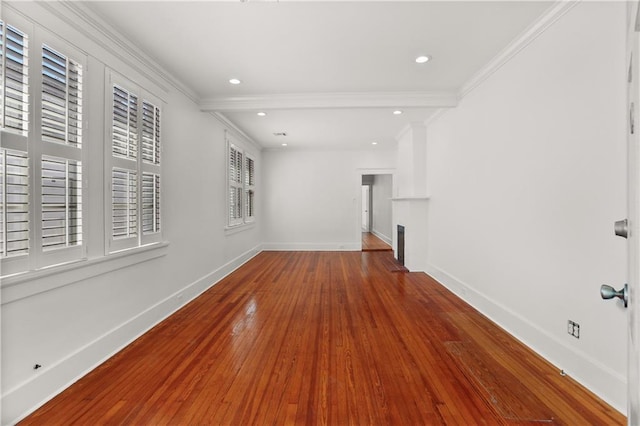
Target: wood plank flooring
326 338
371 242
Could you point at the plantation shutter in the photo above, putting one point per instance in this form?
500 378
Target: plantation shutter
61 162
150 203
124 124
124 203
61 99
15 226
135 167
150 133
61 203
14 114
235 185
249 188
150 167
14 214
124 168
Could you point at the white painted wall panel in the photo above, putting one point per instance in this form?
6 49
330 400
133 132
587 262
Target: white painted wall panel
314 197
382 193
526 177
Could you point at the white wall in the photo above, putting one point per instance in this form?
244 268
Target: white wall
72 328
314 197
381 198
527 176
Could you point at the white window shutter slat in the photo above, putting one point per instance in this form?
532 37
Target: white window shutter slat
124 124
61 203
150 203
14 114
61 99
150 133
14 190
124 201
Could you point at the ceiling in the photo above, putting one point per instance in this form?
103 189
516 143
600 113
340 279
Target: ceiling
328 74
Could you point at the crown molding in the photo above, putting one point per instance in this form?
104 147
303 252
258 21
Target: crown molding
548 18
103 34
231 127
433 117
331 100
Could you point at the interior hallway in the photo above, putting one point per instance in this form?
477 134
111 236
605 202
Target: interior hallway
370 242
326 337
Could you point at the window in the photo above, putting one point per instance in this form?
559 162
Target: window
61 166
55 168
14 159
41 159
235 186
241 178
249 188
134 166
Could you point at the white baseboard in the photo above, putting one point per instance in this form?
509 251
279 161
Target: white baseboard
311 246
381 236
601 379
25 398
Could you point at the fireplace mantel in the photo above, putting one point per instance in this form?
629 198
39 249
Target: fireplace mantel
411 212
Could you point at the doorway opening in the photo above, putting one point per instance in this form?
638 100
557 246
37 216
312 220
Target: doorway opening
376 220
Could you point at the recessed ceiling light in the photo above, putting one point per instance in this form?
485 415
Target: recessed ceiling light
423 59
284 144
397 112
262 114
234 81
374 143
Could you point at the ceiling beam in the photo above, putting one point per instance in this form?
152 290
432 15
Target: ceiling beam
331 101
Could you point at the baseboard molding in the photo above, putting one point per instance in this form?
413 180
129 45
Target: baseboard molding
311 247
602 380
25 398
381 236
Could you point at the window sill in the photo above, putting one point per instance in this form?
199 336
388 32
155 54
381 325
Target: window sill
20 286
234 229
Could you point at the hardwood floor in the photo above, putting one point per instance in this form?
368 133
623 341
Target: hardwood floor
326 338
370 242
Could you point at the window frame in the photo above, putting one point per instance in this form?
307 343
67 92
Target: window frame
238 223
137 165
33 145
249 188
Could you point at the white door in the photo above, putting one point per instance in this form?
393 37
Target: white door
366 225
633 95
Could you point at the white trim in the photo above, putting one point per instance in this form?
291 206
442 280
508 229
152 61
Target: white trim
20 286
331 100
312 246
403 131
230 230
555 12
17 402
232 128
381 236
433 117
601 379
116 45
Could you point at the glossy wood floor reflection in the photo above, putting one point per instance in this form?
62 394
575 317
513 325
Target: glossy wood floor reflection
326 338
371 242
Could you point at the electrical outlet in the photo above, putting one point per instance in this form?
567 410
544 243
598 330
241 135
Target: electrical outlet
573 328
